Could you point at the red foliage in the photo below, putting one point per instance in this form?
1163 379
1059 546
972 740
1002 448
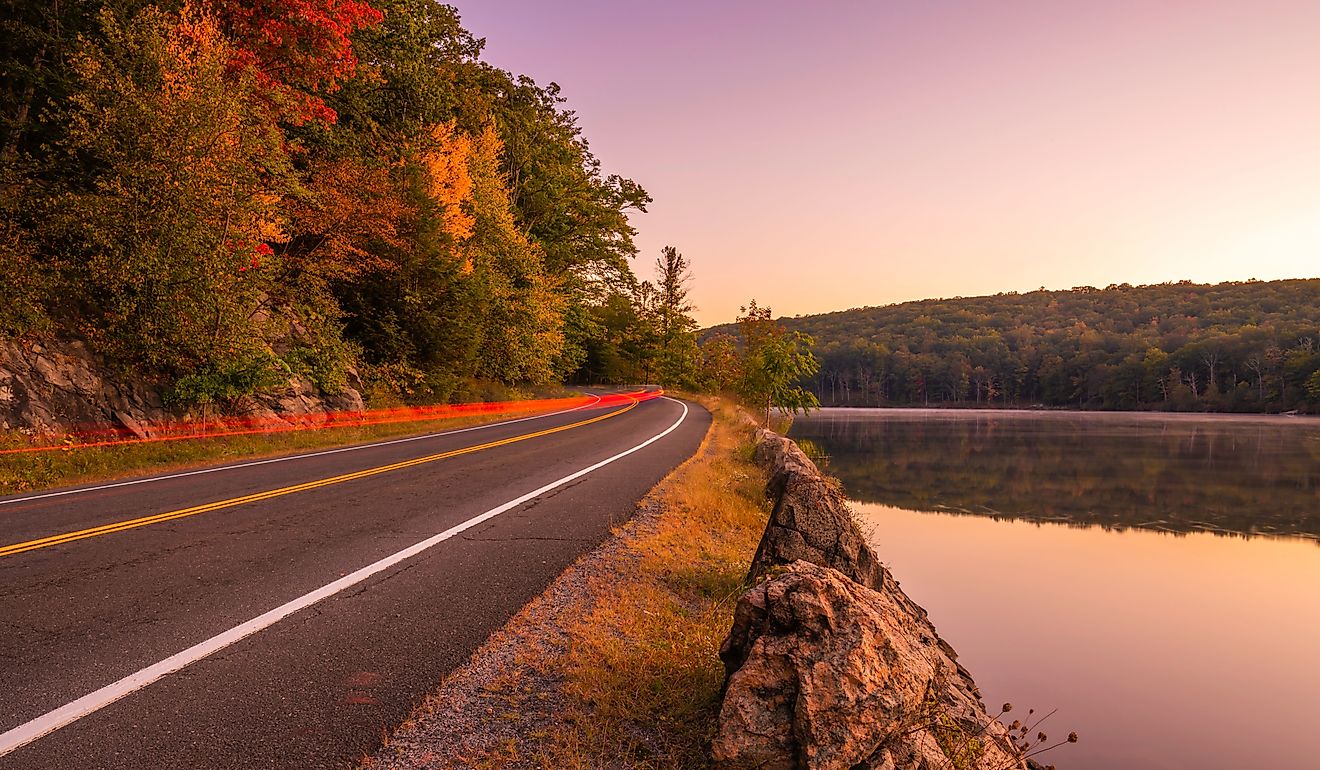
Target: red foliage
298 47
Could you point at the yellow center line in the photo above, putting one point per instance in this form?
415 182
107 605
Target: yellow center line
120 526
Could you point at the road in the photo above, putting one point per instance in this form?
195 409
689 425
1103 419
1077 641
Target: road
289 613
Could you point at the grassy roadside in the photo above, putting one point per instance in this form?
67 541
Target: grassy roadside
44 470
616 665
645 659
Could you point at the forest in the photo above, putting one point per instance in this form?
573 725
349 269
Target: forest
215 197
1250 346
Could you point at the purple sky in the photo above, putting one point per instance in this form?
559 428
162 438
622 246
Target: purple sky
820 156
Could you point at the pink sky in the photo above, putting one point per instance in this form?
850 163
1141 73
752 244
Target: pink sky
821 156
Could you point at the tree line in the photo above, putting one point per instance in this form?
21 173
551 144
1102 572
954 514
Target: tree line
217 197
652 337
1250 346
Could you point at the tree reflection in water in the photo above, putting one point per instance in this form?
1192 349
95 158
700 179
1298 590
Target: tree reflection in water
1175 473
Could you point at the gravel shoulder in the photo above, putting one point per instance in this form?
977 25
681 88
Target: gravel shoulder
509 696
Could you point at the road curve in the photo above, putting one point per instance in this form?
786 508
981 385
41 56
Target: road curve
287 614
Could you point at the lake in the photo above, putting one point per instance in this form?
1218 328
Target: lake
1156 578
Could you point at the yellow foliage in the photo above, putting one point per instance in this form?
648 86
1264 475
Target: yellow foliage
273 227
193 39
450 183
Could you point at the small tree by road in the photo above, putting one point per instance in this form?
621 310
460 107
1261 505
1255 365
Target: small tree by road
774 362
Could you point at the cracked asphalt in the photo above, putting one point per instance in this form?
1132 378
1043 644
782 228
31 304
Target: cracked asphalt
322 687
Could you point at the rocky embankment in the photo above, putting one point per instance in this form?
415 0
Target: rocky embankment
55 387
829 664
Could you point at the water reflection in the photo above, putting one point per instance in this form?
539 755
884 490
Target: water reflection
1165 653
1194 653
1174 473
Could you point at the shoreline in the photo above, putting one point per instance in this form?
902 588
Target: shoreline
1274 418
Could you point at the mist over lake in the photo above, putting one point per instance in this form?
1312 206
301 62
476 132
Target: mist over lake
1153 577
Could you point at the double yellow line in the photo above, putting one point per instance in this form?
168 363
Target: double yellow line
120 526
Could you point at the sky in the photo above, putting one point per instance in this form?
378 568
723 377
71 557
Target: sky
845 153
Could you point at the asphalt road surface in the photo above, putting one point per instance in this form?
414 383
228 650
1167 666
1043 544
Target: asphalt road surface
288 614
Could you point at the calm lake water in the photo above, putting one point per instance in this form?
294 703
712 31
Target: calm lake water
1155 578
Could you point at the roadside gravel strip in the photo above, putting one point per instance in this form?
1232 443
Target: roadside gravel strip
506 697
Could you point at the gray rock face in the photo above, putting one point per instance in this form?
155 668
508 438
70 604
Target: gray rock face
53 388
781 456
811 520
827 674
57 387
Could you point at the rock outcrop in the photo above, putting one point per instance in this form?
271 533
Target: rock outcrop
811 520
57 387
830 666
53 388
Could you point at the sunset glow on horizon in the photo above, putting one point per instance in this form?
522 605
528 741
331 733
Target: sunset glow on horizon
861 153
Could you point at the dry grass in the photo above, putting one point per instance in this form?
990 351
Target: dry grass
642 675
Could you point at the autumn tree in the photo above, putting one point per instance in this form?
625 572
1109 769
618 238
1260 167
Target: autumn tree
561 195
168 210
297 50
521 313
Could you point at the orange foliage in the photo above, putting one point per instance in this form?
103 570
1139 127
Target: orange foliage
449 182
193 39
352 207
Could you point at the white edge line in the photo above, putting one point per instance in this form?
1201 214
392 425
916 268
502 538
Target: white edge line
94 701
61 493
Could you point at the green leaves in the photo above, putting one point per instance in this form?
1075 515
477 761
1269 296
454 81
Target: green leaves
774 362
168 191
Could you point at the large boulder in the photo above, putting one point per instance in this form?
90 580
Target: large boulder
827 674
780 456
811 520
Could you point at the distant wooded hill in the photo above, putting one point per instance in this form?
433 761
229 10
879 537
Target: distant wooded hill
1252 346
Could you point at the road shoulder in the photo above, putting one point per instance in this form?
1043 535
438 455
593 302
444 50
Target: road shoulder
615 664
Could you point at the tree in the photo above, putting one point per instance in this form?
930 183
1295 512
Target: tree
677 354
297 49
1313 386
774 362
168 211
721 368
522 315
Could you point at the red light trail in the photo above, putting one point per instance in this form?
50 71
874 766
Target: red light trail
160 432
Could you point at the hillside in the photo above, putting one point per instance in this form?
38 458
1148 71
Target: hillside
220 199
1251 346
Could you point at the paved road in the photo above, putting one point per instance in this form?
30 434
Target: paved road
101 587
